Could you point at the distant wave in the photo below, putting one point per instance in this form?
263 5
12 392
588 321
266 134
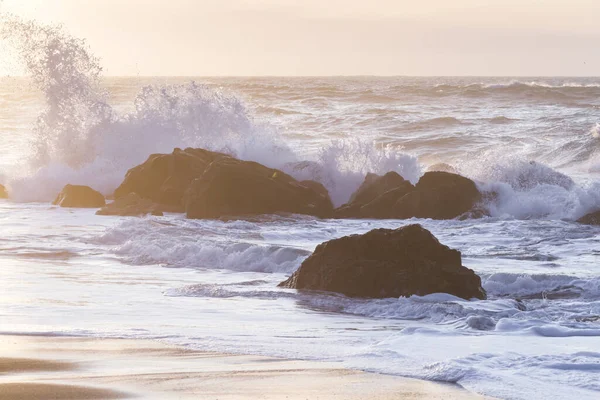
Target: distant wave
501 120
439 122
276 110
533 90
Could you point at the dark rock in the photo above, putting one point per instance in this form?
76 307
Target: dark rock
475 213
481 209
383 206
306 169
231 187
438 195
392 185
3 192
348 211
78 196
164 178
207 184
317 187
590 219
131 205
375 185
387 263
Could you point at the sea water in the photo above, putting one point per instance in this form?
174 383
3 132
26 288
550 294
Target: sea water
212 285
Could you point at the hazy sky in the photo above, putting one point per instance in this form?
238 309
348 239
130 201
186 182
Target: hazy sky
332 37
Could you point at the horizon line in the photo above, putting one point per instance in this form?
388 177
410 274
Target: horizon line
330 76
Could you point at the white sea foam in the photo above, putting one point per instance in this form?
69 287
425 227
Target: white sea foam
595 131
531 190
542 286
188 244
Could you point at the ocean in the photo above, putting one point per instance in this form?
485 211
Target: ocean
212 285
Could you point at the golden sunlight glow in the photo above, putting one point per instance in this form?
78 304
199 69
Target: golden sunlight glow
337 37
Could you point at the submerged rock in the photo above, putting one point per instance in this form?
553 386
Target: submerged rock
3 192
164 178
232 187
590 219
387 263
78 196
131 205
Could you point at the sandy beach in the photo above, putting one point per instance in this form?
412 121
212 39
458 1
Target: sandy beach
80 368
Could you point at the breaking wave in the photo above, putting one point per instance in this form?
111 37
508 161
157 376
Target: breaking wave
530 190
81 139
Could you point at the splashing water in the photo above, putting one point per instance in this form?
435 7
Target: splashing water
595 131
80 139
531 190
349 161
68 76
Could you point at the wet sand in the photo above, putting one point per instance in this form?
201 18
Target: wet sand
62 368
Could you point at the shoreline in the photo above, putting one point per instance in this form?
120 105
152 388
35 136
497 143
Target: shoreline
89 368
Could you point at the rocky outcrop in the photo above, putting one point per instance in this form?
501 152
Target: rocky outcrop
231 187
376 185
207 184
590 219
387 263
78 196
372 188
437 195
3 192
131 205
164 178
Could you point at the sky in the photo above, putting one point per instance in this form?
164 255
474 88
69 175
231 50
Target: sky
330 37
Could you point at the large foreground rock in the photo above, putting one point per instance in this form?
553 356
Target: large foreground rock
231 187
78 196
164 178
387 263
131 205
590 219
3 192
